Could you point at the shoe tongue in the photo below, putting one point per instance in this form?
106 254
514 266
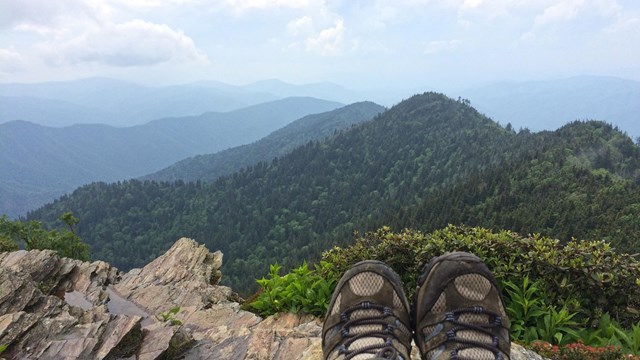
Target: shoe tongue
361 329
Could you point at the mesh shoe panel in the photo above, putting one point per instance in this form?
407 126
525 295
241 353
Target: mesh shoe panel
473 286
366 284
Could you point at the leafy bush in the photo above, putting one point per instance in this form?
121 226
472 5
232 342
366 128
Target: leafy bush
582 276
533 319
34 236
301 290
6 244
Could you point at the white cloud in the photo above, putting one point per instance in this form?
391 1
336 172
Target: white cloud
10 60
442 46
133 43
329 41
562 11
303 25
568 11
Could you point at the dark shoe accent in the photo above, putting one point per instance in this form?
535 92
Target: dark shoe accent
457 311
368 315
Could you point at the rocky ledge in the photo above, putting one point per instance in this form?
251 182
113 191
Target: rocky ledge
59 308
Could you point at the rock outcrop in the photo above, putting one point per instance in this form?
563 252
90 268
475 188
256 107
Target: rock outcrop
58 308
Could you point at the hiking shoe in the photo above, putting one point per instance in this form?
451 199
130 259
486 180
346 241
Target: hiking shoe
368 315
458 312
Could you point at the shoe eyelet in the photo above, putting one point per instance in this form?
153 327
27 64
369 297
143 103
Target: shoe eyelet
449 316
389 329
451 334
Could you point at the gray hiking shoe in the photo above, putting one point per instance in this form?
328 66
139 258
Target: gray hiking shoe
458 312
368 316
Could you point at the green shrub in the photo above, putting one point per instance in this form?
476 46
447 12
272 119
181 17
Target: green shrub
301 290
34 236
6 244
587 277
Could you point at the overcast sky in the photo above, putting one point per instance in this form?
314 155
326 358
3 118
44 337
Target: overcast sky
356 43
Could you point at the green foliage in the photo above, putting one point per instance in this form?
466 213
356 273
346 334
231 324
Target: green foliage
586 277
301 290
558 326
169 316
524 308
7 244
34 236
3 347
608 332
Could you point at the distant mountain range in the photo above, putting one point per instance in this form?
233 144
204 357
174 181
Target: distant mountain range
119 103
41 163
536 105
280 142
426 161
548 105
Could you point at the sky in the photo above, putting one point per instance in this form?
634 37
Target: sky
356 43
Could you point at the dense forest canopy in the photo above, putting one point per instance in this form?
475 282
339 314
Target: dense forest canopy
280 142
427 161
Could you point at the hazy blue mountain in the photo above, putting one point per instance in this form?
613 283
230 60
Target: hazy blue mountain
114 102
280 142
50 112
324 90
40 163
547 105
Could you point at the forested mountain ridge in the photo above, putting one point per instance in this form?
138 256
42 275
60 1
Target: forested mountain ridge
555 102
280 142
40 163
314 197
581 181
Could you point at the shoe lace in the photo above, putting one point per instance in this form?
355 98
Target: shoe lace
383 349
483 328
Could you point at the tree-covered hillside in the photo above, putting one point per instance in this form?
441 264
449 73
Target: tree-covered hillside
280 142
41 163
424 150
